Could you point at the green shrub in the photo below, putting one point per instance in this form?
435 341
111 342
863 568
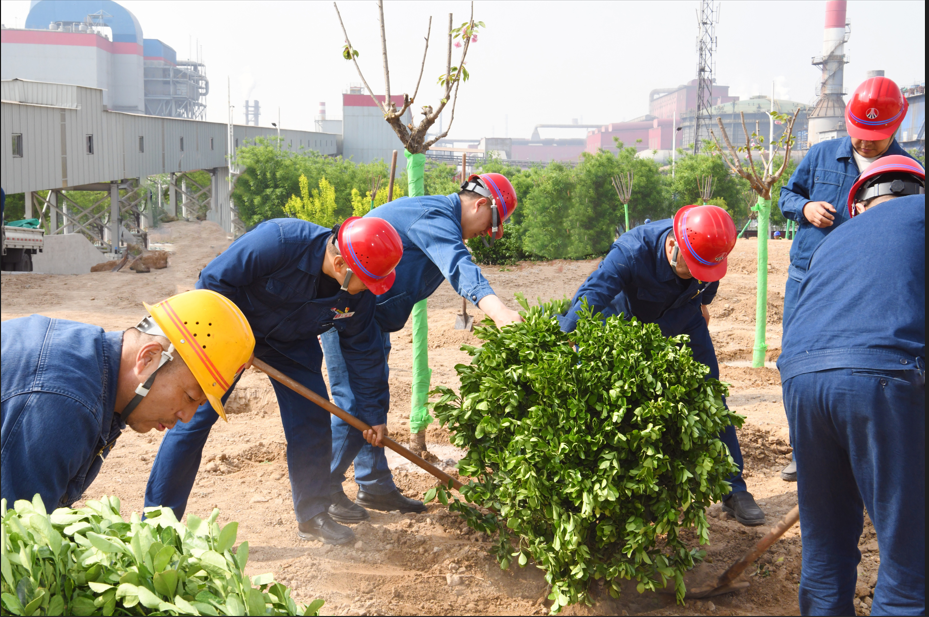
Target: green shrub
505 251
90 561
591 459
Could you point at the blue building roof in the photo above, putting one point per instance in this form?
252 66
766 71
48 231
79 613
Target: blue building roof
153 48
125 26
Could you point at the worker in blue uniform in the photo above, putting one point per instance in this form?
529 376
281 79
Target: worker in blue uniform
815 195
69 389
667 273
295 280
433 230
853 375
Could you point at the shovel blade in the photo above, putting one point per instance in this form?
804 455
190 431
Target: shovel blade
464 322
703 582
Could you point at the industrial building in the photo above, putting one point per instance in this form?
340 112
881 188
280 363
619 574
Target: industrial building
366 136
912 133
99 44
61 138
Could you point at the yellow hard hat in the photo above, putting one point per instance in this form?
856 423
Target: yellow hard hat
211 335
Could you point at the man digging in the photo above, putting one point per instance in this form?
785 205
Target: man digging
69 389
853 369
668 272
433 230
295 280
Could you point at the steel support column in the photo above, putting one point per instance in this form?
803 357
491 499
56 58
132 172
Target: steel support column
114 216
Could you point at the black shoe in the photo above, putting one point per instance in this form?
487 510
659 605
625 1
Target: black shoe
742 506
322 527
343 510
389 502
789 473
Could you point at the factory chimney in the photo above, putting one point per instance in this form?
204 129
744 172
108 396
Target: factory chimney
828 116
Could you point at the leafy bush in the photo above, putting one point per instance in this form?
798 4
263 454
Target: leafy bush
90 561
505 251
591 459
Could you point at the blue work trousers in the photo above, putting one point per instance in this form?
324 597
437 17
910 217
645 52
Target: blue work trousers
309 444
690 322
348 444
859 440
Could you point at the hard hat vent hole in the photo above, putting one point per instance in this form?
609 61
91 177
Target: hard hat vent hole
207 334
204 346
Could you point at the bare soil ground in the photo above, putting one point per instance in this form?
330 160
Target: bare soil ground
432 563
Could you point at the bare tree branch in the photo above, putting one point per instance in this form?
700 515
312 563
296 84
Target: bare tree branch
748 149
448 61
387 102
351 49
459 73
410 101
432 141
790 130
732 151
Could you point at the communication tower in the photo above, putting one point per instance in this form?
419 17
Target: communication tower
707 18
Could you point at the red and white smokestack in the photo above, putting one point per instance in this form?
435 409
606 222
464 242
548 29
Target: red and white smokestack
322 110
834 47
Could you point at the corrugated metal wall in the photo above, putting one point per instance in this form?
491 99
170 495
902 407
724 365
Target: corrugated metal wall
56 120
367 137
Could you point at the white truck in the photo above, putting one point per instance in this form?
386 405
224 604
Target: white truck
19 245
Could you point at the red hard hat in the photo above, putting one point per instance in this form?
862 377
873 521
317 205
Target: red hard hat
893 164
372 249
876 110
705 235
499 191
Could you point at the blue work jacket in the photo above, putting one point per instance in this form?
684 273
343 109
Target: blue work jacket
272 273
433 251
636 279
863 302
57 418
827 173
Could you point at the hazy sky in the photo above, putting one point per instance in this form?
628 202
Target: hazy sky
538 62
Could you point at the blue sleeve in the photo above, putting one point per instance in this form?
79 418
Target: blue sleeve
796 193
612 276
440 239
709 294
252 256
362 348
48 439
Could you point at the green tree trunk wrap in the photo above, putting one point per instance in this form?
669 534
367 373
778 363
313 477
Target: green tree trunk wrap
415 170
626 206
763 207
419 415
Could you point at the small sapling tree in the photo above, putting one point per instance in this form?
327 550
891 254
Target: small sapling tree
761 180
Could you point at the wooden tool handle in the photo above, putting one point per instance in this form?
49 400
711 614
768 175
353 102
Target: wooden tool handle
299 388
772 536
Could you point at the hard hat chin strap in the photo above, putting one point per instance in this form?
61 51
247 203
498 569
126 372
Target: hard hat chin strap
142 389
347 279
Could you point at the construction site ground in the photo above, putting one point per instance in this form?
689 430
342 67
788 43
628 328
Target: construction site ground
432 563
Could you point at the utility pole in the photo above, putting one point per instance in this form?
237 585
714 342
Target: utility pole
707 18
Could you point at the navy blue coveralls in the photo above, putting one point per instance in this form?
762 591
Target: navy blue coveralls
433 252
273 274
635 279
853 375
827 173
57 407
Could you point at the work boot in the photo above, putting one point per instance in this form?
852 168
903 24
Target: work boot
322 527
789 473
389 502
742 506
343 510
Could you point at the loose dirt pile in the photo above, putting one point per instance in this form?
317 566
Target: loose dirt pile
432 563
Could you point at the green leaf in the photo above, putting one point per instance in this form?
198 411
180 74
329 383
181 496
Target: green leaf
98 587
163 558
241 555
147 598
56 606
313 607
227 537
430 495
214 563
256 602
165 582
234 605
105 544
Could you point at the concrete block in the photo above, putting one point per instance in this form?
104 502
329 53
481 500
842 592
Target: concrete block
66 254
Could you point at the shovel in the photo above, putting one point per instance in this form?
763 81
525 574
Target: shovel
299 388
463 321
705 584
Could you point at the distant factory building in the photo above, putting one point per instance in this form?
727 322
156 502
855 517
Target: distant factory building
912 133
366 137
99 44
756 114
666 102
